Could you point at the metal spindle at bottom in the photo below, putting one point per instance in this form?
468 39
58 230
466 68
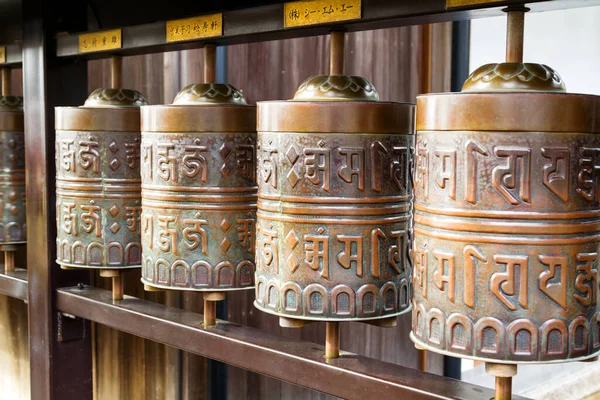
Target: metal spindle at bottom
9 257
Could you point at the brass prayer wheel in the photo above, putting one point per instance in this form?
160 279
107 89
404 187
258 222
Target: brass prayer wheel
507 221
98 193
12 173
199 191
334 203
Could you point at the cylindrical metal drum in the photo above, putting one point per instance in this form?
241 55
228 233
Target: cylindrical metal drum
12 173
334 203
507 219
98 193
199 191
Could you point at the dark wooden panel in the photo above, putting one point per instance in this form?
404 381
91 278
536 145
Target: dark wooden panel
391 59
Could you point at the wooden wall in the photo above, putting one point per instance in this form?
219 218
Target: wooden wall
127 367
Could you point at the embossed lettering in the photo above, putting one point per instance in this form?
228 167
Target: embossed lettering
147 229
440 278
445 174
132 153
245 229
586 282
89 155
147 159
269 251
422 170
557 291
379 155
69 219
352 252
399 168
420 270
90 219
398 250
193 162
471 255
471 169
68 155
505 176
376 236
557 171
194 234
503 284
269 164
354 165
132 215
317 162
316 251
245 159
587 178
167 235
166 162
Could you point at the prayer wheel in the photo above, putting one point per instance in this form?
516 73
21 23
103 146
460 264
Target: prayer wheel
199 191
98 193
334 203
507 219
12 176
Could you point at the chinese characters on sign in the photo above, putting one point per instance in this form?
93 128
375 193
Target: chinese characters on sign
100 41
313 12
2 54
195 28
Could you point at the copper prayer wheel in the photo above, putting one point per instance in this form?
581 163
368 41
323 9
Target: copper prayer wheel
12 173
507 222
334 203
98 193
199 191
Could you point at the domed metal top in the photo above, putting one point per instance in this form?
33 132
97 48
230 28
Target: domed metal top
209 94
336 88
514 77
11 103
115 98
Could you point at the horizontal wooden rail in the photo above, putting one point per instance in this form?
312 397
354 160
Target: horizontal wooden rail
14 283
298 362
266 22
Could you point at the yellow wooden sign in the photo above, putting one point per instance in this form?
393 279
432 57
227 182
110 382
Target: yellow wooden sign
2 54
314 12
195 28
100 41
464 3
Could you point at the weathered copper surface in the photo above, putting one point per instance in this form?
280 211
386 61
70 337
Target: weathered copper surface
199 191
334 204
507 226
98 194
12 171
